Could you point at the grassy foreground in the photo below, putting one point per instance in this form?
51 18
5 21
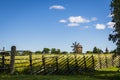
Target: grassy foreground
100 75
104 74
47 77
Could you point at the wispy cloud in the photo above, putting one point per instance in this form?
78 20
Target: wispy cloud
110 24
93 19
59 7
63 21
73 24
100 26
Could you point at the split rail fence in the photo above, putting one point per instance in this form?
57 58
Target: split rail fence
56 64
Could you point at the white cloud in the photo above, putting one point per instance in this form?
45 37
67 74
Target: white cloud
63 21
57 7
77 19
94 19
110 24
73 24
100 26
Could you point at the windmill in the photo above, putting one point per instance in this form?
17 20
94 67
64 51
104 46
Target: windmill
77 48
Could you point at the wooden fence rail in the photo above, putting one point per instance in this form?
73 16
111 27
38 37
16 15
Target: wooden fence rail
57 64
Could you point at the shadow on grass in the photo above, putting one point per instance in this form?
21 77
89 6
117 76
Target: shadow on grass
104 75
96 75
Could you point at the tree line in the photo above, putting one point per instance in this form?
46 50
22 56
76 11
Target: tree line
44 51
98 51
58 51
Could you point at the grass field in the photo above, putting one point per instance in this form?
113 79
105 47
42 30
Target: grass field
22 63
101 75
48 77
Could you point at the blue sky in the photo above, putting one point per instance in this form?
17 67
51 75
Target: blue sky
35 24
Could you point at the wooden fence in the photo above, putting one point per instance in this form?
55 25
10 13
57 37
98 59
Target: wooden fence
62 65
10 62
56 64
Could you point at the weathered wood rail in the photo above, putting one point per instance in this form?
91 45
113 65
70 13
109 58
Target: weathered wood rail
56 64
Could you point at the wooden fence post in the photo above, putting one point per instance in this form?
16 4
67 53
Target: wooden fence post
12 59
44 67
56 60
3 60
100 63
30 56
106 61
119 61
85 62
112 61
68 66
76 64
93 62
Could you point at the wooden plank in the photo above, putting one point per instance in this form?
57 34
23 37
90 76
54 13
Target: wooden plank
12 59
30 56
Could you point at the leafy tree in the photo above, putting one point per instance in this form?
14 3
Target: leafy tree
89 52
17 53
106 50
38 52
113 51
64 52
53 50
46 50
100 51
115 36
95 50
26 52
58 51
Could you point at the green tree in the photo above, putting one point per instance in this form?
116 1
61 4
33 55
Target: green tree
106 50
53 51
89 52
17 53
100 51
64 52
26 52
46 50
38 52
58 51
115 36
95 50
113 51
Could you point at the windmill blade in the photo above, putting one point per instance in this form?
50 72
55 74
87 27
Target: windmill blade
72 46
78 44
73 43
73 49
